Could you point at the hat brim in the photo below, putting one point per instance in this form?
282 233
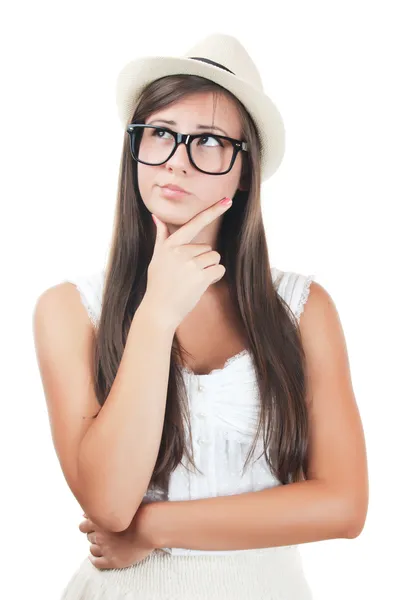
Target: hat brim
137 74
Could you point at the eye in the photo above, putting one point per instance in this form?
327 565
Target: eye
209 137
157 133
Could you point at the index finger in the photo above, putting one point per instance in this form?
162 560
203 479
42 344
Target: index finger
186 233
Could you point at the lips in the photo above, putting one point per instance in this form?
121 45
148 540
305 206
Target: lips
176 188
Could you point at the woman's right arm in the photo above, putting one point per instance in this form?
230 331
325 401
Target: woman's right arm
107 461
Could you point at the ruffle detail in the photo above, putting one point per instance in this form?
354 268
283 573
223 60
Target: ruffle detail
304 296
91 313
227 364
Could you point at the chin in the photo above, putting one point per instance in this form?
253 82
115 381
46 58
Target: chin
175 216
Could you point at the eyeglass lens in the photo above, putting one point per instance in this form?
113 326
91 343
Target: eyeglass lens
210 153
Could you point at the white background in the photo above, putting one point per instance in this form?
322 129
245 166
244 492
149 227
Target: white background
332 69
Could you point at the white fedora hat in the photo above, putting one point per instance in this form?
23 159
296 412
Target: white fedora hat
223 59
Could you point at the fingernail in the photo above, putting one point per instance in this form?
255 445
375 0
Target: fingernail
226 201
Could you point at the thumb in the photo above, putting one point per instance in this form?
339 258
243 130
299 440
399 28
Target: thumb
162 232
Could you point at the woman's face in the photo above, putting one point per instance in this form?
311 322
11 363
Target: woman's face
204 190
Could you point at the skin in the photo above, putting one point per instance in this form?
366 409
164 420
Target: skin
205 189
333 502
119 550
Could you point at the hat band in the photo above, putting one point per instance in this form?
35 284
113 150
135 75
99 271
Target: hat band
211 62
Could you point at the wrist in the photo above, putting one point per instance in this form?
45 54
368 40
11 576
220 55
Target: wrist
151 523
151 311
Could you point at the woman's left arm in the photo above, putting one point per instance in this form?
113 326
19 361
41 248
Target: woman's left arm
332 503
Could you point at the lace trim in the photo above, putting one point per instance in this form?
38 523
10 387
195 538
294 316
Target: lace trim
228 362
304 296
235 357
90 311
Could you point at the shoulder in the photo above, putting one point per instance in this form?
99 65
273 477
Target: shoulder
320 325
84 289
90 288
323 337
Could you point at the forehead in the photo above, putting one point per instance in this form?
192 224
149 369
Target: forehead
202 108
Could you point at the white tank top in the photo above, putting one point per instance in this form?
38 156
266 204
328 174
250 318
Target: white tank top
224 413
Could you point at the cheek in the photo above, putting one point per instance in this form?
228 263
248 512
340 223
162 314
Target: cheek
146 181
215 188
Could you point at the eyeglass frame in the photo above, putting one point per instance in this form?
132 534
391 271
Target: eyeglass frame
186 138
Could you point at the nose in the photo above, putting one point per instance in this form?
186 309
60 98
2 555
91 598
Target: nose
180 158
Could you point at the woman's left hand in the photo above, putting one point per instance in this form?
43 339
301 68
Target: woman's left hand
116 550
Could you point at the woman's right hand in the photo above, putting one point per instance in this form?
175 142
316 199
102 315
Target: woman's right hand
180 272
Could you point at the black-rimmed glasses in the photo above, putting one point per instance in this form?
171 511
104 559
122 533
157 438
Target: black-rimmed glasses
209 153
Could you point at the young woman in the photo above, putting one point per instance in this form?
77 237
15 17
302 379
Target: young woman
205 431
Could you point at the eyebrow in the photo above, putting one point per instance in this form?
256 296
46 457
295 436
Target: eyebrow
207 127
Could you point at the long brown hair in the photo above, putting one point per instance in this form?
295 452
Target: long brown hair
270 326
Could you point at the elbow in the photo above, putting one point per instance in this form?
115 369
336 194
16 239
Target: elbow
351 511
113 521
107 522
355 527
108 514
356 520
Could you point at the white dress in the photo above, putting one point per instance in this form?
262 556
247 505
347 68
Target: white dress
224 414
